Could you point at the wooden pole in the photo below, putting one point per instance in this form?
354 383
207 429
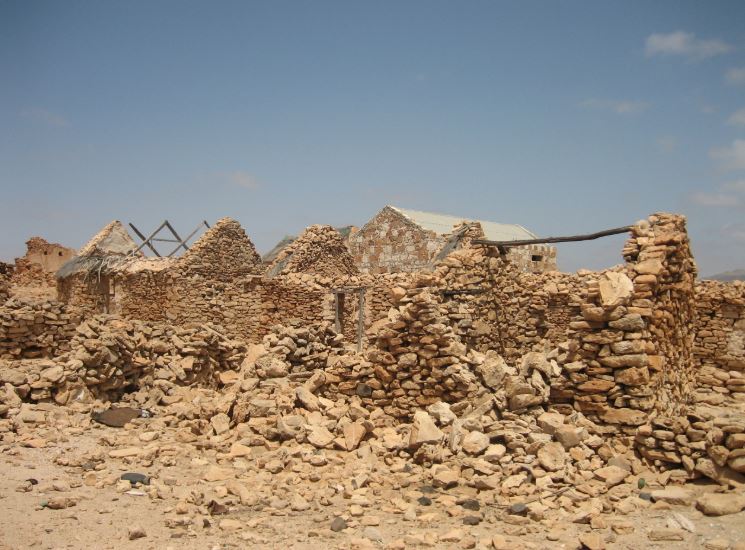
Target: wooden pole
361 320
180 241
186 240
146 241
573 238
337 323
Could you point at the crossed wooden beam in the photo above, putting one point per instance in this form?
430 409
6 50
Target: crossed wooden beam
154 237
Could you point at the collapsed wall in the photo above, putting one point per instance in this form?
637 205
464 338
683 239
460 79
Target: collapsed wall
106 357
38 266
6 272
35 329
616 346
624 335
417 360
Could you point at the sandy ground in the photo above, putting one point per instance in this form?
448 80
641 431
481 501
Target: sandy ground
105 513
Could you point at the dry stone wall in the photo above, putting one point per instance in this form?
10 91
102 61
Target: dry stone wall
87 294
35 329
719 347
108 356
704 442
320 250
6 271
223 253
410 366
630 351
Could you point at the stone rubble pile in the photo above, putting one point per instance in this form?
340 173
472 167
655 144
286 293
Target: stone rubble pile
707 442
301 349
418 360
35 329
455 477
109 357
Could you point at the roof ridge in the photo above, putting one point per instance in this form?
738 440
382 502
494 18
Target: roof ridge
445 219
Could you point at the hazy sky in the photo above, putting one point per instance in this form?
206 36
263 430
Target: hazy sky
565 117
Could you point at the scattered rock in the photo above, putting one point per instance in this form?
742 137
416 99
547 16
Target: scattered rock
338 524
720 504
136 532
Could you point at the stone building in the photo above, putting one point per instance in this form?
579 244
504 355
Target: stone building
401 240
41 261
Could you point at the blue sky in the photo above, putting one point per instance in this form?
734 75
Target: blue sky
565 117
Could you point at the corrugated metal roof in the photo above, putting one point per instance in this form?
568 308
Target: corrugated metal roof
444 224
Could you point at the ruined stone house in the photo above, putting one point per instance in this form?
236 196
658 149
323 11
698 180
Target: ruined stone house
402 240
632 348
41 262
111 275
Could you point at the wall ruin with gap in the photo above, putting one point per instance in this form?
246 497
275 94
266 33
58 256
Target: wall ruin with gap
630 341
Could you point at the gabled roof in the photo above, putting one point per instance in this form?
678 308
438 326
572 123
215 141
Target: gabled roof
113 239
320 250
287 240
224 251
443 224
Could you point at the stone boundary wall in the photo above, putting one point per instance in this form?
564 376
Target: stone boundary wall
246 307
719 347
704 444
107 356
30 330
